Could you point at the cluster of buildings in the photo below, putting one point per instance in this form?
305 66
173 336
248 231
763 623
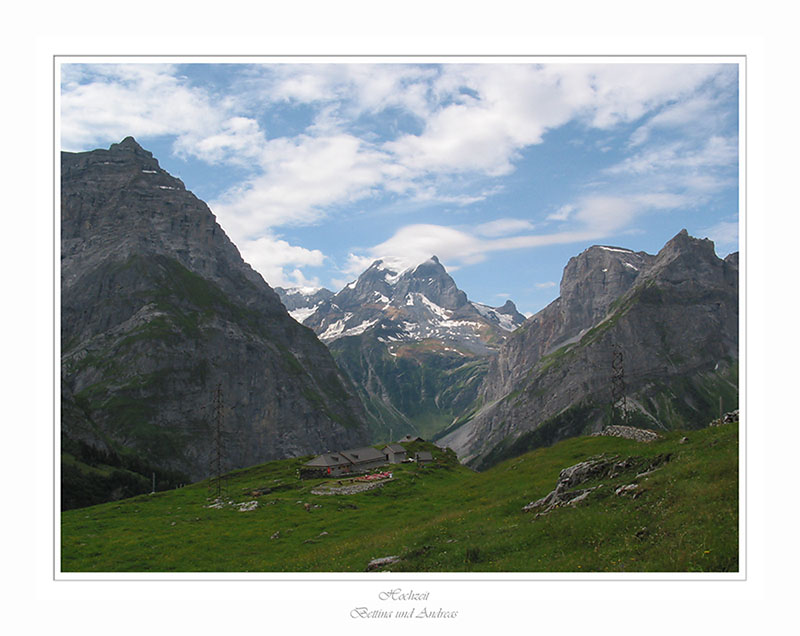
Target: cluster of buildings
359 460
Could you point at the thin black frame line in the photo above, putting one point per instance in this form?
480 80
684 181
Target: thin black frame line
56 318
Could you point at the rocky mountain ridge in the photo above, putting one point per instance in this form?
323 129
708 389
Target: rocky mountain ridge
414 304
674 319
411 341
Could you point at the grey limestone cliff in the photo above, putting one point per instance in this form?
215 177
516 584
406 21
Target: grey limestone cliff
158 309
674 317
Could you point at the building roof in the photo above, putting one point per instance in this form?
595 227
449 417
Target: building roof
410 438
365 454
424 455
395 448
329 459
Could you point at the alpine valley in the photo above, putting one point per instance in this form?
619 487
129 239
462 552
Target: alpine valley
413 344
159 314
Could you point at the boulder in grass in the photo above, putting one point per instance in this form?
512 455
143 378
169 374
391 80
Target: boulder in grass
382 562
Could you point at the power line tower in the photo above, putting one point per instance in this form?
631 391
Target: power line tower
217 484
619 406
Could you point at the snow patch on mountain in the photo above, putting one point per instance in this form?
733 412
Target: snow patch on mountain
304 312
439 311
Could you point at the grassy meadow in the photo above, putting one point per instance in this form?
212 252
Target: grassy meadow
442 517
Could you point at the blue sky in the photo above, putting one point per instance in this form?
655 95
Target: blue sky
502 169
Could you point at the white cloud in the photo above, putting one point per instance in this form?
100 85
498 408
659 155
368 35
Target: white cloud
716 152
596 217
687 115
546 285
455 248
562 214
503 227
471 124
414 244
300 177
279 262
237 140
130 99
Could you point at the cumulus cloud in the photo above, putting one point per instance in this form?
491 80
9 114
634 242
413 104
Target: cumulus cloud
108 102
435 133
270 257
300 177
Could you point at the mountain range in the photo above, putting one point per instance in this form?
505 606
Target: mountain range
411 341
166 331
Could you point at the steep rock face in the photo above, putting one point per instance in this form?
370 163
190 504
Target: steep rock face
413 344
301 302
591 282
158 309
675 322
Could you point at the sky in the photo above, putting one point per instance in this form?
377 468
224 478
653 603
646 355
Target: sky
503 169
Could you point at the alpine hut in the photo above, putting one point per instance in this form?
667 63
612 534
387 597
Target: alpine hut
362 459
394 453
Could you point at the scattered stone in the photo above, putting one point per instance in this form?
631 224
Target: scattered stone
683 440
346 490
323 534
629 432
247 506
276 535
629 488
557 499
728 418
376 564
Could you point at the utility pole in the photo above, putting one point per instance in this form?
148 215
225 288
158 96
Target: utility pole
618 401
215 484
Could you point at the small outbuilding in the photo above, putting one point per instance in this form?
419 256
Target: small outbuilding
411 438
423 457
394 453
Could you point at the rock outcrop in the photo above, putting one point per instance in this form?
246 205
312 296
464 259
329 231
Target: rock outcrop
594 469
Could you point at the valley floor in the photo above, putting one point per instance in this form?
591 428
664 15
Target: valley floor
682 517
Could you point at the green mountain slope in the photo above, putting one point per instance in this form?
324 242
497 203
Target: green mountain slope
682 517
418 388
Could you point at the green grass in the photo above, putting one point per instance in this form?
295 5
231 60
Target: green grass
443 517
